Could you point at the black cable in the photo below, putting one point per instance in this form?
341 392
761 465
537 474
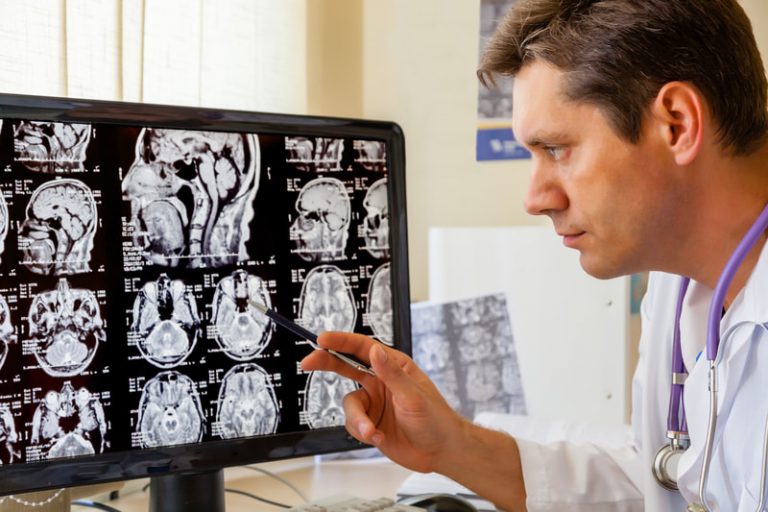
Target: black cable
96 505
258 498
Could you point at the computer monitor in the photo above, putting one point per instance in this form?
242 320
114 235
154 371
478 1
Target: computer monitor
135 240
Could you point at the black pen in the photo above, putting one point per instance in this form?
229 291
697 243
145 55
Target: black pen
310 337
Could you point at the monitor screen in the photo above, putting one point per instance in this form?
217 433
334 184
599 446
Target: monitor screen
135 241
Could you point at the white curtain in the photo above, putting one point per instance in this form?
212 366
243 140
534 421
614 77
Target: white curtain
242 54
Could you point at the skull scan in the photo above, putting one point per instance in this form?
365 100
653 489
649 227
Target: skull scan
376 222
4 221
321 230
46 146
320 154
191 195
7 333
57 236
166 321
169 411
371 154
241 330
323 399
379 311
8 434
326 302
66 328
247 404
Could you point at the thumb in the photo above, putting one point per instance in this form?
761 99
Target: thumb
389 370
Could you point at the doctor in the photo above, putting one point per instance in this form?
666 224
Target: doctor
648 124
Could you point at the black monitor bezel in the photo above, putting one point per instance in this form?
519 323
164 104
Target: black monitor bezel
125 465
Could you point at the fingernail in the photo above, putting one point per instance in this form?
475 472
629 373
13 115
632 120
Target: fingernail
376 439
382 354
362 427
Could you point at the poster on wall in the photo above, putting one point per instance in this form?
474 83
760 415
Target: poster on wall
495 140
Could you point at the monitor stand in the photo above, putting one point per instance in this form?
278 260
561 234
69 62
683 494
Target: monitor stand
187 492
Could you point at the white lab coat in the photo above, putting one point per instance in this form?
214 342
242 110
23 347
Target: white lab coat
591 477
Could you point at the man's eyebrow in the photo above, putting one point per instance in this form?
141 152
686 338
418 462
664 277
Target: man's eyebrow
545 138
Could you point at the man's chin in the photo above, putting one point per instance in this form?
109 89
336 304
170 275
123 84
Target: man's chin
600 269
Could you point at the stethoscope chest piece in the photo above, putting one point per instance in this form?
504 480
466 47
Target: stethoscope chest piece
667 459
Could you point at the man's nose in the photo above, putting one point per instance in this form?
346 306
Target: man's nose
545 193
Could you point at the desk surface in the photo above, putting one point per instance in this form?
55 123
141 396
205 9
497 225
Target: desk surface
316 479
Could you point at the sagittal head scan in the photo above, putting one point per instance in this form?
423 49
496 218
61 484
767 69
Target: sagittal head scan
326 302
8 435
323 398
66 328
165 322
376 222
47 146
4 220
371 154
247 404
69 423
321 229
241 330
7 333
314 154
191 195
380 304
56 238
169 411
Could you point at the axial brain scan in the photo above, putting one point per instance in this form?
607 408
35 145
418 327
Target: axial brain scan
376 222
57 235
318 154
323 398
166 321
241 330
247 403
326 302
46 146
66 328
191 195
380 304
169 411
7 333
321 229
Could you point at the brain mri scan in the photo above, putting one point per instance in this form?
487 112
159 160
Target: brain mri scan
321 230
8 435
69 423
326 302
380 304
57 235
191 196
66 328
4 221
47 146
371 154
247 404
169 411
7 332
317 154
376 222
241 330
323 398
165 321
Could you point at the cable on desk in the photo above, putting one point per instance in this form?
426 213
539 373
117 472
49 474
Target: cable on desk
258 498
96 505
281 479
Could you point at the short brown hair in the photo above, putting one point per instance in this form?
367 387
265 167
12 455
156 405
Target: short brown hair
617 54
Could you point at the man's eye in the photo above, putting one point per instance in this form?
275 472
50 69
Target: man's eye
555 152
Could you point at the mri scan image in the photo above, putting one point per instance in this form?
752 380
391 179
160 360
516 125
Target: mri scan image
169 411
323 398
326 302
321 229
56 237
7 332
241 330
191 196
8 435
247 404
376 222
69 423
66 328
4 222
371 154
380 304
314 154
47 146
165 321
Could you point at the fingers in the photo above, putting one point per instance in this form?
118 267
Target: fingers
351 343
319 360
358 423
399 374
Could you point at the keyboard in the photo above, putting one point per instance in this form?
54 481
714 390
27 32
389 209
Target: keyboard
354 504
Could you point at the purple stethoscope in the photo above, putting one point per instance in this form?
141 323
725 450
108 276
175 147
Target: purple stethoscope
666 459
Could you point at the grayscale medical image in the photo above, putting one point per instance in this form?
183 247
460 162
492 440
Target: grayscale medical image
379 310
371 154
8 435
375 227
65 329
241 330
323 399
7 331
169 411
321 230
69 423
247 404
165 324
56 238
326 302
51 147
314 154
5 221
191 195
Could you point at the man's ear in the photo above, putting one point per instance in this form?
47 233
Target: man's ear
679 113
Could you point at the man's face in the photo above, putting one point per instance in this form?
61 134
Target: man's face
608 198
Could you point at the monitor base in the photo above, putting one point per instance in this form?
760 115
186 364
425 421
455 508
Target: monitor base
187 492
